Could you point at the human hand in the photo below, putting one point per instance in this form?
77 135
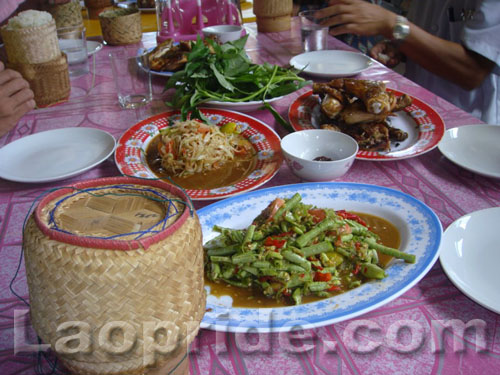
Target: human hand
16 98
386 53
357 17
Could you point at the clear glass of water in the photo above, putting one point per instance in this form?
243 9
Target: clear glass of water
73 42
314 36
132 78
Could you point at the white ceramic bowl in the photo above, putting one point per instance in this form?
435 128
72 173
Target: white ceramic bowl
225 33
300 148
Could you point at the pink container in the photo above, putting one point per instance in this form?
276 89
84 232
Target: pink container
184 19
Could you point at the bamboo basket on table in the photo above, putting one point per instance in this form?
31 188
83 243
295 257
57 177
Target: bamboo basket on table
68 14
121 26
273 15
49 81
34 52
116 252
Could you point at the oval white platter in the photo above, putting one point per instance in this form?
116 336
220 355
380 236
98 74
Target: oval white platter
55 154
418 225
331 63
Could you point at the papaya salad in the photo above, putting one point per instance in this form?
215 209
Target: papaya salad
292 250
189 147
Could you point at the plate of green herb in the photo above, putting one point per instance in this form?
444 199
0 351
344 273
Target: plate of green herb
224 76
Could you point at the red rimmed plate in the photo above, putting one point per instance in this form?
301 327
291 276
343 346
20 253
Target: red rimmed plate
130 154
423 124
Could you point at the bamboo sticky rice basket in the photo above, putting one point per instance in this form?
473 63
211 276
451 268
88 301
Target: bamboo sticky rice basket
273 15
31 45
123 258
49 81
121 26
68 14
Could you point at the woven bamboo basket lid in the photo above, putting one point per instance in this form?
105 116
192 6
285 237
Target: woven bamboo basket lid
122 257
273 15
31 45
121 26
49 81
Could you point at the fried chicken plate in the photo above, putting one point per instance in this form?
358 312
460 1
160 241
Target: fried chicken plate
360 108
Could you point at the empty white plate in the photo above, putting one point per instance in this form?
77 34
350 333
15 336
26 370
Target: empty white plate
474 147
93 47
470 256
331 63
55 154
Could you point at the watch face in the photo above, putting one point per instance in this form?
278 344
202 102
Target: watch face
401 31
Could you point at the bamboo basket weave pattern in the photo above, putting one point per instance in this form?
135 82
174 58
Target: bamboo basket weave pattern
121 27
33 45
49 81
154 278
69 14
273 15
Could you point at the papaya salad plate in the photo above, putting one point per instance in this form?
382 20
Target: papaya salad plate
421 122
230 308
137 155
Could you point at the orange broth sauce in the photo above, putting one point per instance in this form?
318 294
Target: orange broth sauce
229 174
389 236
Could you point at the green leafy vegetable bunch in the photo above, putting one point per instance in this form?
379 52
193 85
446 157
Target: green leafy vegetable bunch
225 73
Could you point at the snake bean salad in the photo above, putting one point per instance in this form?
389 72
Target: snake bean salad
292 250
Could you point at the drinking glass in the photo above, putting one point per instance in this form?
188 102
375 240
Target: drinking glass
132 78
314 36
72 41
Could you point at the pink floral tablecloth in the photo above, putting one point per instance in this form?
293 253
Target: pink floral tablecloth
366 345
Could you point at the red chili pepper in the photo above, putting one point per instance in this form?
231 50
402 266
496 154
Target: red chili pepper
334 288
349 215
318 276
356 269
357 244
286 292
276 242
317 267
317 214
264 279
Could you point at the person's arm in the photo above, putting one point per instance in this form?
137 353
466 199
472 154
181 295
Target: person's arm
16 98
449 60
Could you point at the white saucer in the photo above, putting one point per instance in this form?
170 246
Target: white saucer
474 147
55 154
93 47
331 63
470 256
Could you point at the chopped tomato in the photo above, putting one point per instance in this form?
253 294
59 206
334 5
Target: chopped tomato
349 215
318 276
317 214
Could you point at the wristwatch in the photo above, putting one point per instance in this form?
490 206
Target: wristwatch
401 29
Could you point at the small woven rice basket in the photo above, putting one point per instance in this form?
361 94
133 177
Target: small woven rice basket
32 45
96 7
273 15
121 26
69 14
49 81
116 252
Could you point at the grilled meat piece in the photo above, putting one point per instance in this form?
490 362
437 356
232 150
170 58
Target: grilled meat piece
370 136
372 93
167 56
397 135
355 113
